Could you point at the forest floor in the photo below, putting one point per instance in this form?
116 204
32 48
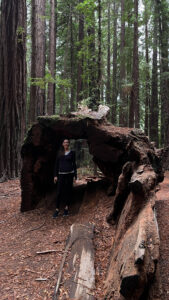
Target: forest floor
22 235
28 275
162 208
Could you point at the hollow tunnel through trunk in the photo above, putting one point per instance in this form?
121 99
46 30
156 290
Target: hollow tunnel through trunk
111 148
43 161
39 153
130 162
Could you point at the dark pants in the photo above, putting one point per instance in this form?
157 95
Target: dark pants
64 189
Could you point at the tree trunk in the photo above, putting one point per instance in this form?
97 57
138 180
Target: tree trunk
108 87
134 104
114 85
147 92
72 62
64 94
12 86
37 92
52 57
164 73
154 94
80 59
123 118
92 67
99 52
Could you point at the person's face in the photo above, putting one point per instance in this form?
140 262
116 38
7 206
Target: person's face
65 144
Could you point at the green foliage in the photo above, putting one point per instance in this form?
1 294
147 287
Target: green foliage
41 82
87 7
70 50
20 30
19 33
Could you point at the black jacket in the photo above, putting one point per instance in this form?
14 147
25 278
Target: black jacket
66 164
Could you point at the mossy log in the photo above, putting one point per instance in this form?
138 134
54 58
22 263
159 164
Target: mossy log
130 162
110 146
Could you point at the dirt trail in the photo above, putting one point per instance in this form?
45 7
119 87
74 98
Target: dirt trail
24 234
162 208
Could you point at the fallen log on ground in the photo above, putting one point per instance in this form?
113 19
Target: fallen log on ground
133 167
79 276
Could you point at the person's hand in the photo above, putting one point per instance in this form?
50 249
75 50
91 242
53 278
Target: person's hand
74 180
55 179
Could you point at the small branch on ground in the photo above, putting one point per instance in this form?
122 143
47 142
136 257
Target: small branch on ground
47 251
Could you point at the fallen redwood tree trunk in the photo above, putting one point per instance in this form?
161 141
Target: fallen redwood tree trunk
130 162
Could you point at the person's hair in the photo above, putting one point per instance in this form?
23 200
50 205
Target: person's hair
65 140
61 150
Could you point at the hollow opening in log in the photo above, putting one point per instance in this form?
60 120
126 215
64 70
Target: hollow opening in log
111 148
39 158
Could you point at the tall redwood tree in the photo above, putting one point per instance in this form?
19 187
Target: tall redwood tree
37 92
12 85
134 113
52 57
154 84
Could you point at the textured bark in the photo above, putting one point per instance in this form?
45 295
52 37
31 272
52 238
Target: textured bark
64 100
135 251
72 62
80 60
130 163
147 87
12 86
81 262
108 86
164 72
123 116
134 116
52 57
99 63
114 84
110 146
154 94
37 94
92 67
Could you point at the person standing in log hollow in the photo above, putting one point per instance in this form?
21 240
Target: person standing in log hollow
64 172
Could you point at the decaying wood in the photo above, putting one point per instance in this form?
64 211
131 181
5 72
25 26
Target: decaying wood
131 164
111 147
81 280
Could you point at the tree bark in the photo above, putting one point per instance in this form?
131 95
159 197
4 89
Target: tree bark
52 57
164 73
154 94
72 61
92 68
99 53
114 85
80 59
108 86
12 86
123 118
134 116
37 93
147 91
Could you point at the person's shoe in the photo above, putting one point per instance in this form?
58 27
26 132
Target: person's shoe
66 213
55 215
